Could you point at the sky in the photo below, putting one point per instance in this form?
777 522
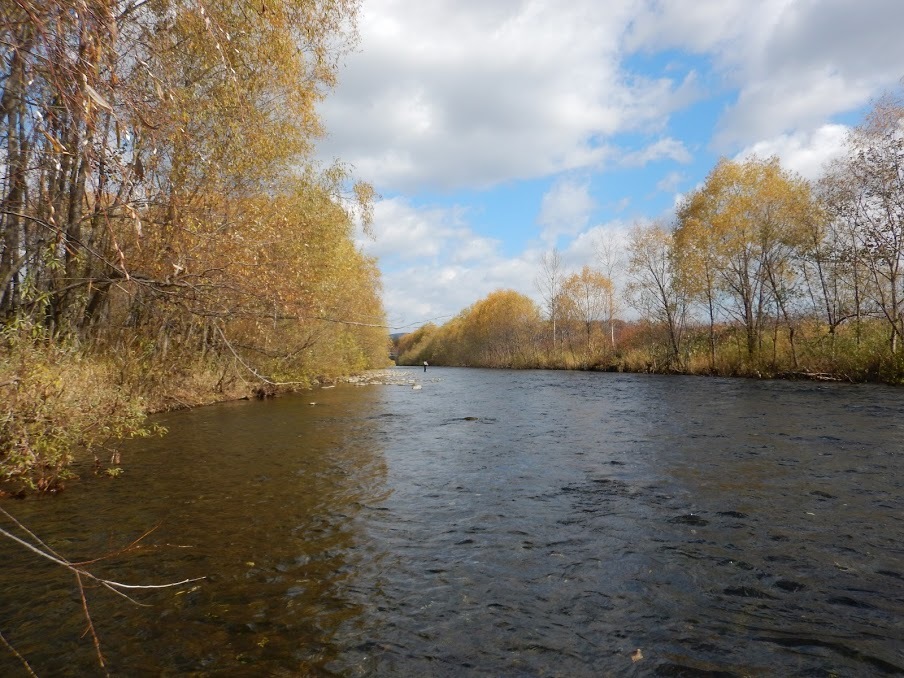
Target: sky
495 130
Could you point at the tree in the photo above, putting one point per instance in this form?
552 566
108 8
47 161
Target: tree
868 195
498 330
416 347
609 256
656 288
549 284
149 149
832 271
696 265
160 204
743 228
589 297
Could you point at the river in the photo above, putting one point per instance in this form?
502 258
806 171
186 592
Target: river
488 523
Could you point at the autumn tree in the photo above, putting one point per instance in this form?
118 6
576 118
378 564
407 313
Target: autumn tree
160 204
588 298
696 266
151 149
739 232
499 329
417 346
655 287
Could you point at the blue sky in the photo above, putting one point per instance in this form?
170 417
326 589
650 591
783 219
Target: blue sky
494 130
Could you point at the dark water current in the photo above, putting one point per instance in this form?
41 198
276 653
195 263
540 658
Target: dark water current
491 523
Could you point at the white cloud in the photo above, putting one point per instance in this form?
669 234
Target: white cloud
670 182
806 153
433 262
450 94
772 107
475 249
667 148
795 63
700 26
566 209
447 94
587 247
858 41
435 293
402 231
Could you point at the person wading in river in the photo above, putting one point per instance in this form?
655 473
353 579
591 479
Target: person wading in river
425 366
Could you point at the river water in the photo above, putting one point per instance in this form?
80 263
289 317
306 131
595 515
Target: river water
488 523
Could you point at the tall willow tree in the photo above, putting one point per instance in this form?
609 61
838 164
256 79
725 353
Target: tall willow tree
156 173
499 330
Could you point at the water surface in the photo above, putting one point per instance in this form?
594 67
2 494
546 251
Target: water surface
490 523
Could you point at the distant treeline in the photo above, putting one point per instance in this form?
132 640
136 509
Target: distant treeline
761 274
165 237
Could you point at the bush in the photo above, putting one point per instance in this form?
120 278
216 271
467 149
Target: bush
54 403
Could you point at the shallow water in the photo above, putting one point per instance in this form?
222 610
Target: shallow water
490 523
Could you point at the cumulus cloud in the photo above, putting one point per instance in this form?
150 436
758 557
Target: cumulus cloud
446 94
794 63
858 41
433 262
701 26
469 95
462 266
403 232
770 108
434 293
805 152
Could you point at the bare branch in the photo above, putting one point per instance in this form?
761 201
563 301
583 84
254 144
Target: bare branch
18 656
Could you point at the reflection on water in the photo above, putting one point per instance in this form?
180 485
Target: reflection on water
264 499
492 523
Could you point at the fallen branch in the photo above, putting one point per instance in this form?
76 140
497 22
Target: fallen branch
94 638
18 656
39 547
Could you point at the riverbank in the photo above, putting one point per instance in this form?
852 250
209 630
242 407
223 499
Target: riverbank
851 354
60 401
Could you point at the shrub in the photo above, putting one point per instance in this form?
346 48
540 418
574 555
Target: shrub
55 402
